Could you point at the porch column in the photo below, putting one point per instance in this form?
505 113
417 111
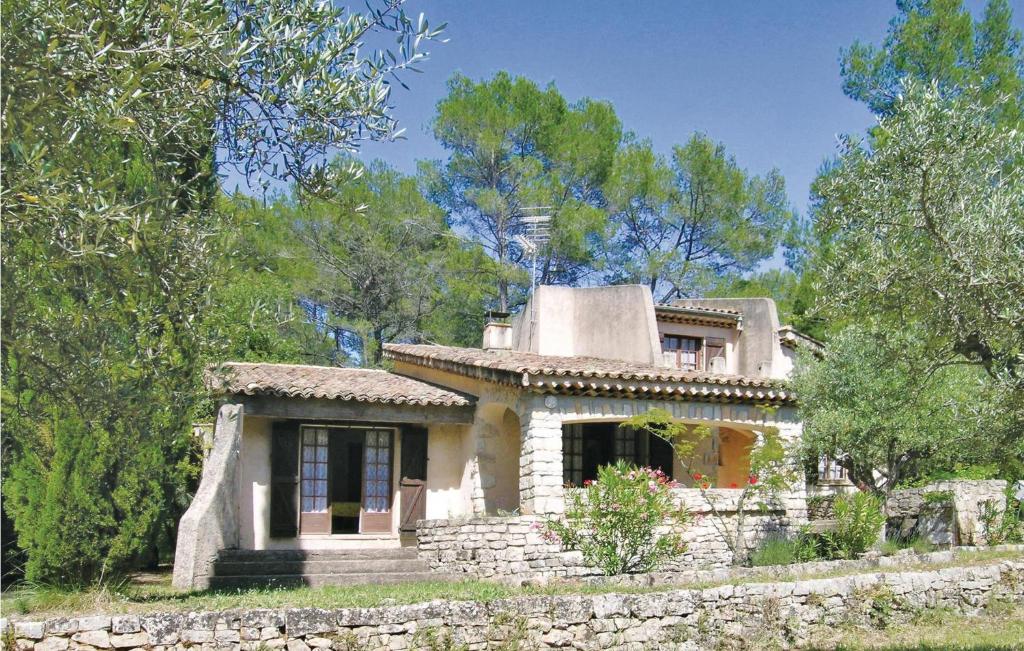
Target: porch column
540 460
795 499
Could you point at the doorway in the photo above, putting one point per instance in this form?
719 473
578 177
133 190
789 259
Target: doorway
345 473
345 480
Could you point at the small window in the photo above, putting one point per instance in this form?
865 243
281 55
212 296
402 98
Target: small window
314 470
829 470
687 351
572 455
377 482
626 445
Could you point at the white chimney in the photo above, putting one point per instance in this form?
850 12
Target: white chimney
497 336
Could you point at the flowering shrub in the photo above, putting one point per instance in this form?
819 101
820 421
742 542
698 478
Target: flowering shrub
625 521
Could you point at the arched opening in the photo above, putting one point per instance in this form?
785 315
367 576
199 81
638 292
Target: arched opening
734 457
499 463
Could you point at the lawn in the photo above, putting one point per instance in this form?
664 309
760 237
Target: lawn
153 593
998 628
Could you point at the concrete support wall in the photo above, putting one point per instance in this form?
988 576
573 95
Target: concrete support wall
211 522
950 516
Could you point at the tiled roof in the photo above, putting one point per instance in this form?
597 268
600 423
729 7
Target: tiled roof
588 375
699 315
791 337
357 384
698 309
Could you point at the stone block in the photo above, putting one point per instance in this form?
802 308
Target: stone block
29 630
52 644
97 638
125 624
129 640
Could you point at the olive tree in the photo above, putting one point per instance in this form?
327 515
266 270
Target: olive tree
117 119
924 223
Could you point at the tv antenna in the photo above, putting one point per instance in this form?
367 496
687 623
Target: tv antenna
536 233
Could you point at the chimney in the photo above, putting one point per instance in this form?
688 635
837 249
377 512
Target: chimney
497 332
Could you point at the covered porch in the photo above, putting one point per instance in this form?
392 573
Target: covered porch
320 464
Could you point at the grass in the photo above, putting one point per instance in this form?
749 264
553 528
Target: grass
775 551
998 628
154 596
919 545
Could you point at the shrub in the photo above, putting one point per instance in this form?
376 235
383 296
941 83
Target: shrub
859 521
1006 526
615 521
775 551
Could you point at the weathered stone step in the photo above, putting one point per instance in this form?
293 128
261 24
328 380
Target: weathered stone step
253 555
318 580
318 566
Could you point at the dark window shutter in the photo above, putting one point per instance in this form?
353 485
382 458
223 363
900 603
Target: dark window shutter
284 479
414 452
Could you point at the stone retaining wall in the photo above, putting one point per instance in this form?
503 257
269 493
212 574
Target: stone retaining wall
513 548
952 516
748 615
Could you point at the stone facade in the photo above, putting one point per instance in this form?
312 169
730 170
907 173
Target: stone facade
513 549
951 516
747 615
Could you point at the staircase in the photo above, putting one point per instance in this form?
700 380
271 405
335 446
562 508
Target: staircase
238 568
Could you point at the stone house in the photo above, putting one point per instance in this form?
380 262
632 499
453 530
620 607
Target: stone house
455 454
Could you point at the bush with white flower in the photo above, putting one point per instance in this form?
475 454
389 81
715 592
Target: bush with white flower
626 521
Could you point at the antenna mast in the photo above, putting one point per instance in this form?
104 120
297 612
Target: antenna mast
536 233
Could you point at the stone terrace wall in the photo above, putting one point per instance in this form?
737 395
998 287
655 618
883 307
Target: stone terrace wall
956 521
745 615
512 548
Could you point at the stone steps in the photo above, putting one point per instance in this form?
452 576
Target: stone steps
339 566
238 569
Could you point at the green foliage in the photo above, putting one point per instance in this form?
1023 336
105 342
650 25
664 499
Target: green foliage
674 226
938 41
619 520
1006 525
872 403
116 117
659 422
909 223
771 470
859 522
775 550
512 145
382 254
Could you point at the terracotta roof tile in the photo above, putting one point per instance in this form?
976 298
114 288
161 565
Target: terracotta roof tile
357 384
698 308
534 364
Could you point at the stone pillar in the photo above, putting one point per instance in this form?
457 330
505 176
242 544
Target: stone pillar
795 500
540 460
211 522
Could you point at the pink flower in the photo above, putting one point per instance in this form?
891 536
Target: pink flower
587 482
753 480
697 476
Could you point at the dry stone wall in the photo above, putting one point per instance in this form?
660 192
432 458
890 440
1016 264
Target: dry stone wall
945 512
512 548
746 615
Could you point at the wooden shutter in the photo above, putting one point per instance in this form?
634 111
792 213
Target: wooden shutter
714 348
413 485
284 479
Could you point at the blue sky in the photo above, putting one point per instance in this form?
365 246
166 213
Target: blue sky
760 76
